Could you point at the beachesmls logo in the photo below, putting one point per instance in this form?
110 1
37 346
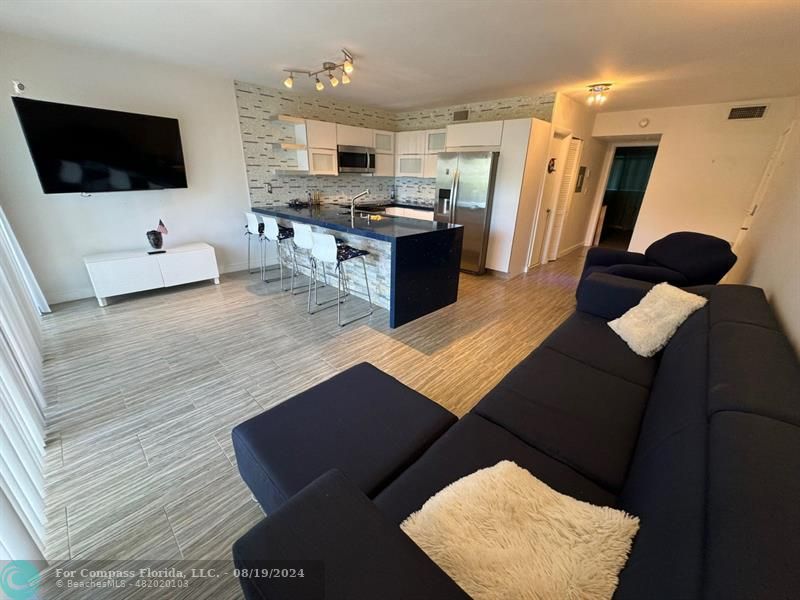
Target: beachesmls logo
19 580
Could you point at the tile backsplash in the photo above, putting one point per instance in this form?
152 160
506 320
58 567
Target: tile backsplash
258 106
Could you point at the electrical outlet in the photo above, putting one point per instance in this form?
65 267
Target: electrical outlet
269 188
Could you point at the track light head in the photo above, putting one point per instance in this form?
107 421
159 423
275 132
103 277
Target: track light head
319 85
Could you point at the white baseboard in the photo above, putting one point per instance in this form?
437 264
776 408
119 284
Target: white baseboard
59 296
239 266
571 248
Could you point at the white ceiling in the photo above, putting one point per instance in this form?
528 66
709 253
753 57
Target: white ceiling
413 54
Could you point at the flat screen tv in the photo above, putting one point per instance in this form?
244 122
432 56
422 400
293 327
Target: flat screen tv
90 150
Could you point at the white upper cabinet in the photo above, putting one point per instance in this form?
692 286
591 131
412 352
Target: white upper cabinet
409 165
384 165
320 134
384 142
347 135
435 141
462 135
410 142
429 165
322 161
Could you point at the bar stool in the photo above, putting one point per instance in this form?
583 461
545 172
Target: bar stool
251 228
303 242
325 249
274 232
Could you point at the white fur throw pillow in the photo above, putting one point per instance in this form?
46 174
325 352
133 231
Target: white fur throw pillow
649 325
500 533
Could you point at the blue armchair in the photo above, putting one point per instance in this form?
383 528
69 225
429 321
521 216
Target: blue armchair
683 259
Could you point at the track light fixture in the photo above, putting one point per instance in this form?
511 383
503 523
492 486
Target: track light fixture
329 68
598 94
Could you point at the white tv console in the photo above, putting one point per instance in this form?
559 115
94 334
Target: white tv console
135 271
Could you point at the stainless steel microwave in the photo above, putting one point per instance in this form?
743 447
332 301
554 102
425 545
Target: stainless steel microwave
356 159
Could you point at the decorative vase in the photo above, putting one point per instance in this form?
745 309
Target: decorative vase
155 238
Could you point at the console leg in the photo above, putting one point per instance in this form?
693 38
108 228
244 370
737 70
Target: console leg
102 301
216 280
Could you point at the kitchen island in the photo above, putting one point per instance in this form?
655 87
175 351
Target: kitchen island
413 267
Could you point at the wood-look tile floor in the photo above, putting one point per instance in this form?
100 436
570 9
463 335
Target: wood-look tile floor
143 394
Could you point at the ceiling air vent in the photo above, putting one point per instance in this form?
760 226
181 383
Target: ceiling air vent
461 115
747 112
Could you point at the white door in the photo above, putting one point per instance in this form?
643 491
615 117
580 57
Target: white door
347 135
435 141
462 135
384 142
565 192
410 142
557 151
384 165
320 134
322 161
410 165
124 276
429 165
185 267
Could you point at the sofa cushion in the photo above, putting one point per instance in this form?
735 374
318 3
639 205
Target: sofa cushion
753 517
361 421
345 547
575 413
753 369
666 482
741 304
589 339
471 444
679 251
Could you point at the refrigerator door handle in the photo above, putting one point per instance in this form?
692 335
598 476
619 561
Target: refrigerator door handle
451 205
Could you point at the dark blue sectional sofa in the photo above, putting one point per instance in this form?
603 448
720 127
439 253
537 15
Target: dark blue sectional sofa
701 442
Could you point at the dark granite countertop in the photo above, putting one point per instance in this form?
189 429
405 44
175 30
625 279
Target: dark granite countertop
331 216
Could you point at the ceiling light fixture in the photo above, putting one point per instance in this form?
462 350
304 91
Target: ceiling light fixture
327 67
598 94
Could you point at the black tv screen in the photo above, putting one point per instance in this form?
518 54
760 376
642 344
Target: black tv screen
81 149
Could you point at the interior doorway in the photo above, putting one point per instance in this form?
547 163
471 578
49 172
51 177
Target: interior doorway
627 181
541 233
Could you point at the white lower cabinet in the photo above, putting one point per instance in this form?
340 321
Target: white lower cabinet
410 213
410 165
119 273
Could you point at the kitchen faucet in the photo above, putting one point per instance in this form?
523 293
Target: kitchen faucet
353 204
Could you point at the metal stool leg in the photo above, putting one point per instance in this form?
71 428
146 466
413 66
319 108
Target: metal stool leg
343 278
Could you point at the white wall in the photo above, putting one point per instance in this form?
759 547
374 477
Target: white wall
769 253
707 167
56 231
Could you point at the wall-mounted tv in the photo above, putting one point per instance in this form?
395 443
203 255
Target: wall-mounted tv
90 150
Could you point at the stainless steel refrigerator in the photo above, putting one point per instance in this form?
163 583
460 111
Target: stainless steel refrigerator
464 187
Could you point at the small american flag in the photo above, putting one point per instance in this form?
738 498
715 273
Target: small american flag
162 229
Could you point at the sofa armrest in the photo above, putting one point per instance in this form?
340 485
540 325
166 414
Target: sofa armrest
605 257
347 548
651 273
610 296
